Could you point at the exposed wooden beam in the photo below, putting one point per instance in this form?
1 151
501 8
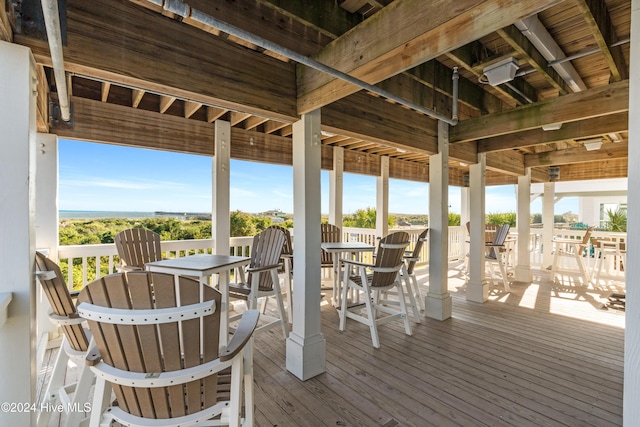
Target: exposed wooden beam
580 129
597 16
510 163
615 168
94 121
190 108
214 113
599 101
104 91
254 122
619 150
166 102
237 117
429 29
267 88
524 47
273 126
136 97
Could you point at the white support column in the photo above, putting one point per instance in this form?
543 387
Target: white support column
547 224
382 198
631 409
465 205
336 185
523 219
477 288
46 225
438 299
18 84
306 346
221 184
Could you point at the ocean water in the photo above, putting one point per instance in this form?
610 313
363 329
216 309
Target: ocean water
117 214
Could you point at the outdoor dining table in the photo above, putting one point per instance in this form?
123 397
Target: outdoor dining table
336 249
203 266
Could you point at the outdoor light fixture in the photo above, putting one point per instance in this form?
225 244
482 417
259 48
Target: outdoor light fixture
552 126
501 72
554 173
465 180
593 144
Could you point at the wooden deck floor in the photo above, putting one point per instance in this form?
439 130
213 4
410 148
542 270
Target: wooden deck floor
547 354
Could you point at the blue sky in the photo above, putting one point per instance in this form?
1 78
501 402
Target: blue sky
102 177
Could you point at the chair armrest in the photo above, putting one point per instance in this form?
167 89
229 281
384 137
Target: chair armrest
127 268
356 263
243 333
265 268
493 245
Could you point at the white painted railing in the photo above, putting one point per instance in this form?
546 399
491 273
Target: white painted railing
98 260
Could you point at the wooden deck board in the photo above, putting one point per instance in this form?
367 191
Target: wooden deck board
545 354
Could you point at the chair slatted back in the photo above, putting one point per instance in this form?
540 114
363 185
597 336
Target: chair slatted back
498 239
287 247
416 251
329 233
390 254
138 246
157 348
585 239
266 250
61 303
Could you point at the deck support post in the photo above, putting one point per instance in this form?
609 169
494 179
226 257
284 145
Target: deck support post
465 203
336 185
477 287
46 226
438 300
548 203
382 198
631 409
306 346
221 184
523 219
18 86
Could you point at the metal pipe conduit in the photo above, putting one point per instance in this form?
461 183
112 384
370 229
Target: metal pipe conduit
185 11
52 23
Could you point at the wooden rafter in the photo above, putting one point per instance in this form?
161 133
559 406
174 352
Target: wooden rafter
597 16
104 91
136 97
190 108
237 117
379 48
214 113
166 102
6 33
254 122
575 155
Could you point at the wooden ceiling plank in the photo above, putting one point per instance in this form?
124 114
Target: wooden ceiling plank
104 91
597 16
594 102
379 48
524 47
614 168
190 108
596 126
619 150
214 113
266 88
136 97
166 102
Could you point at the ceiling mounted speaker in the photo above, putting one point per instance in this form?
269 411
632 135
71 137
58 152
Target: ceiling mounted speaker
501 72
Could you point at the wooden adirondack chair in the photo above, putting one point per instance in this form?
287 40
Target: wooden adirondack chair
494 254
573 249
329 233
384 276
287 267
136 247
75 343
262 277
157 343
408 273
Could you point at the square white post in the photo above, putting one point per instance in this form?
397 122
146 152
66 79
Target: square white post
46 226
18 85
523 219
548 202
631 409
477 288
465 205
306 346
438 299
382 198
336 185
221 183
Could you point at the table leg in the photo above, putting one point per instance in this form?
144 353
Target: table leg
223 277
